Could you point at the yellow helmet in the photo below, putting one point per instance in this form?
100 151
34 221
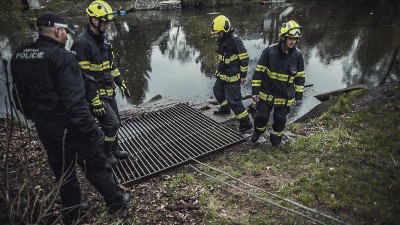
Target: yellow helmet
221 23
290 29
100 9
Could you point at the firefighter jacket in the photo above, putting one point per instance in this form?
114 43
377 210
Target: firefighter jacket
233 58
96 58
48 85
279 77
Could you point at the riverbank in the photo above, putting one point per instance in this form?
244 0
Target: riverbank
342 160
15 13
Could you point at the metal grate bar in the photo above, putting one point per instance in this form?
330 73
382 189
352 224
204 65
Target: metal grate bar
185 134
201 135
200 120
167 138
195 139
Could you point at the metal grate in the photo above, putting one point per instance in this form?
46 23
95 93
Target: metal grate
167 138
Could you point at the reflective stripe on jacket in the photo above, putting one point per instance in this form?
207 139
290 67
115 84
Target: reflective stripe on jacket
279 78
233 58
95 56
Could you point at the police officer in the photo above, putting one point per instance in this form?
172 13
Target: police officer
231 72
95 56
278 82
48 89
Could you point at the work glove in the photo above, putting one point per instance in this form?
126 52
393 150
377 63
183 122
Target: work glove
98 107
124 90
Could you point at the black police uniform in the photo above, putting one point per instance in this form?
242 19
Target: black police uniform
233 65
48 89
95 56
278 80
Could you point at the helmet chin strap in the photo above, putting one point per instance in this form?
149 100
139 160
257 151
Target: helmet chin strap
97 27
284 47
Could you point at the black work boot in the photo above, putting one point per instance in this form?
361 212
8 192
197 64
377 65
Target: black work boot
111 159
76 214
277 146
119 153
117 207
275 141
85 206
243 127
256 135
223 110
107 146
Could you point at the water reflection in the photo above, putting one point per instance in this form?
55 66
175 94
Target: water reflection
172 53
5 55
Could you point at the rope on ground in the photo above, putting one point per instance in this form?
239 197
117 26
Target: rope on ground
264 199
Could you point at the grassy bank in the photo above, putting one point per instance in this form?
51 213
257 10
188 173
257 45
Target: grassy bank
344 162
15 14
211 3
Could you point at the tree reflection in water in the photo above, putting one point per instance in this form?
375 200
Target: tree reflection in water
172 53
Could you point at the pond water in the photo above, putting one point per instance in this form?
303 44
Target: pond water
171 53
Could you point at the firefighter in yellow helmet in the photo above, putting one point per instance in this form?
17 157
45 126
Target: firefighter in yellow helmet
102 11
95 55
231 72
278 82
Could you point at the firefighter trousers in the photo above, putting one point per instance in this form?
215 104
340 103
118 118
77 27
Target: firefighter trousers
110 123
230 93
263 111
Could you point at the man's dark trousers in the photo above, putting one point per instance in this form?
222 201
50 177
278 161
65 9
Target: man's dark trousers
65 147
